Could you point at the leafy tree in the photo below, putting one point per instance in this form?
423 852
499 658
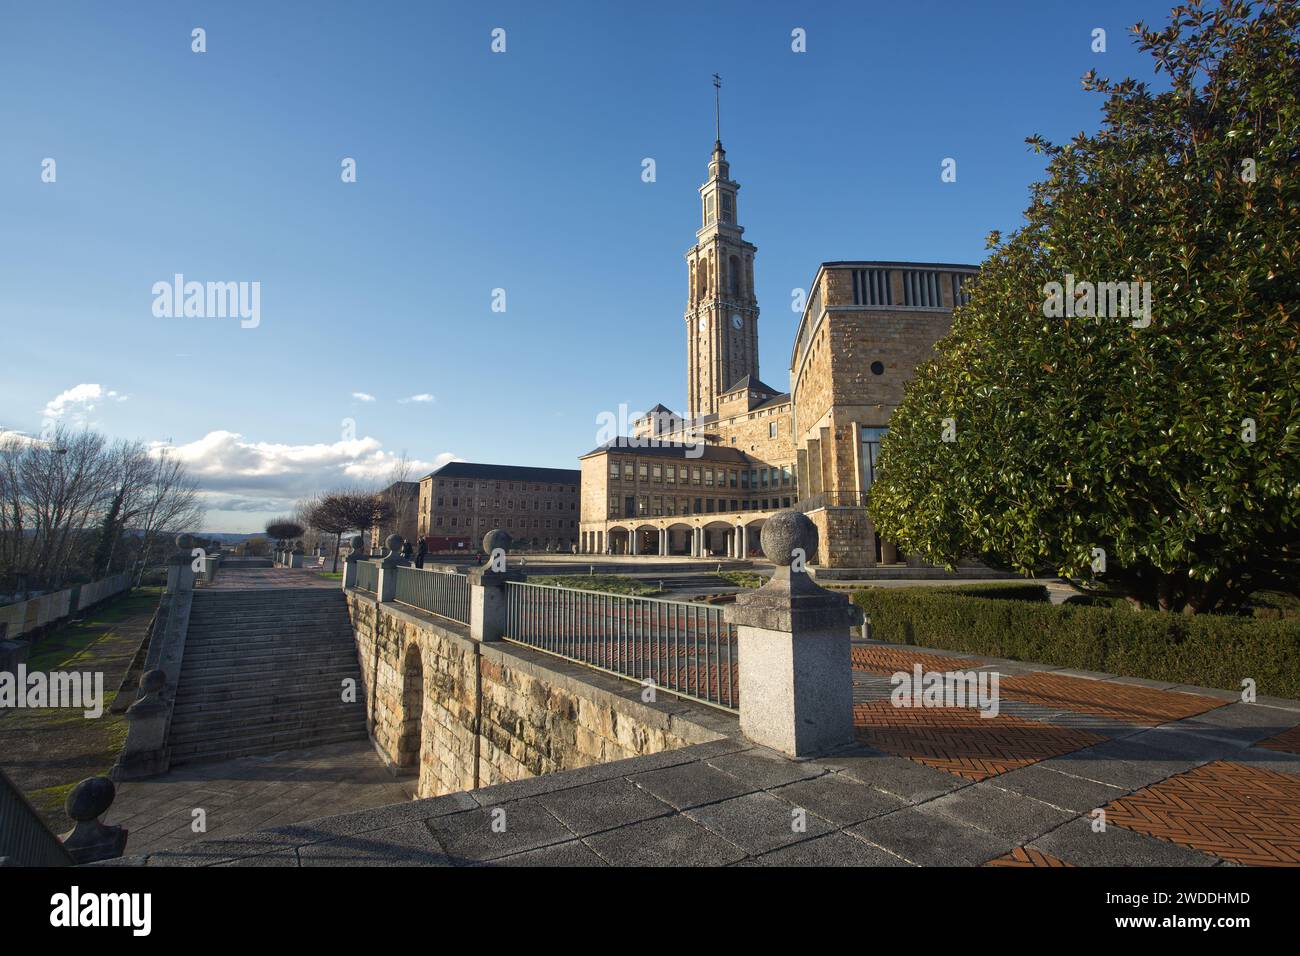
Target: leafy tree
283 529
1165 451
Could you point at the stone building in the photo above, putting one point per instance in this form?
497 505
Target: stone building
462 501
865 327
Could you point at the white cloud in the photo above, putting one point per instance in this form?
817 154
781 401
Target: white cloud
235 474
422 397
79 401
363 396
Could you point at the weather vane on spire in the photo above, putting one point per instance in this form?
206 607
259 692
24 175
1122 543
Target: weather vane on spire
717 105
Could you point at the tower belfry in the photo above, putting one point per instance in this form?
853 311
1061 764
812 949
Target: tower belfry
721 308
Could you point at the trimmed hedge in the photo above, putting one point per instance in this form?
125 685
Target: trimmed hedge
1010 591
1206 650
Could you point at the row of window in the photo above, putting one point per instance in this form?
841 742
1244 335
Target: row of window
657 506
510 504
447 484
704 477
920 288
487 524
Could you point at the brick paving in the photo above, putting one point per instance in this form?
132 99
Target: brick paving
1128 702
883 659
1243 814
1023 856
1287 742
960 741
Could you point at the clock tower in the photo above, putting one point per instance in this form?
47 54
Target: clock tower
721 309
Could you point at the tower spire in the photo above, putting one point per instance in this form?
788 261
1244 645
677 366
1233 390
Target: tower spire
717 107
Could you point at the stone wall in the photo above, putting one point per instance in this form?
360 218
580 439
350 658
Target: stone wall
464 715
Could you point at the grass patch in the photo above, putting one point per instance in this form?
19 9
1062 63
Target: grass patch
72 639
330 575
743 579
608 583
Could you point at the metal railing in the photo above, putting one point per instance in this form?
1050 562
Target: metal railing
25 840
687 649
438 592
368 576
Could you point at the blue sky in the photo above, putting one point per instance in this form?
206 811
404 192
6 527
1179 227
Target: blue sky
475 171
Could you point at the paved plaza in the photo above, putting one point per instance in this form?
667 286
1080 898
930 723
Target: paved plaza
1076 769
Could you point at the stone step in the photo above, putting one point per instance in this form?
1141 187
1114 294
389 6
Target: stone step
221 623
205 683
288 646
253 746
239 687
234 727
208 676
244 695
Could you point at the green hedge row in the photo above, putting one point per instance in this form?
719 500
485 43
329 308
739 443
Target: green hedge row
998 591
1208 650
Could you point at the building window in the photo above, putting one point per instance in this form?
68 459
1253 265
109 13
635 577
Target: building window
959 294
771 430
871 438
872 287
921 289
728 213
613 470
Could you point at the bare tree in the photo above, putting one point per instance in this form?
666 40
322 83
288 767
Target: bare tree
338 512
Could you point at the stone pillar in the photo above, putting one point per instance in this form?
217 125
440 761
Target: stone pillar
796 679
89 841
744 541
635 538
350 563
487 589
387 587
180 569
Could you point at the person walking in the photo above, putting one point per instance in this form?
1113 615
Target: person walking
420 552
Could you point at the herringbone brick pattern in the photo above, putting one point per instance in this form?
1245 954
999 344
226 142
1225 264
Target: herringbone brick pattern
1126 702
1239 813
960 741
1026 856
891 660
1286 742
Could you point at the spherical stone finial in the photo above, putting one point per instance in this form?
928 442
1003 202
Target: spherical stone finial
184 541
90 799
496 538
784 532
151 682
393 542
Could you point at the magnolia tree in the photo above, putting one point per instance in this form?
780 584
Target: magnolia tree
1119 401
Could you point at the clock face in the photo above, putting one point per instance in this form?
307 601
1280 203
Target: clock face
704 322
736 321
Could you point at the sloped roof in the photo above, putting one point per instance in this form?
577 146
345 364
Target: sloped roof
750 383
484 472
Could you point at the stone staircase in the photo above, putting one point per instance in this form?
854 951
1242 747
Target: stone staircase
263 672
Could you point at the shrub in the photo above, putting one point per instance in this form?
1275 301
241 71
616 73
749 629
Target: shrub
1010 591
1207 650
